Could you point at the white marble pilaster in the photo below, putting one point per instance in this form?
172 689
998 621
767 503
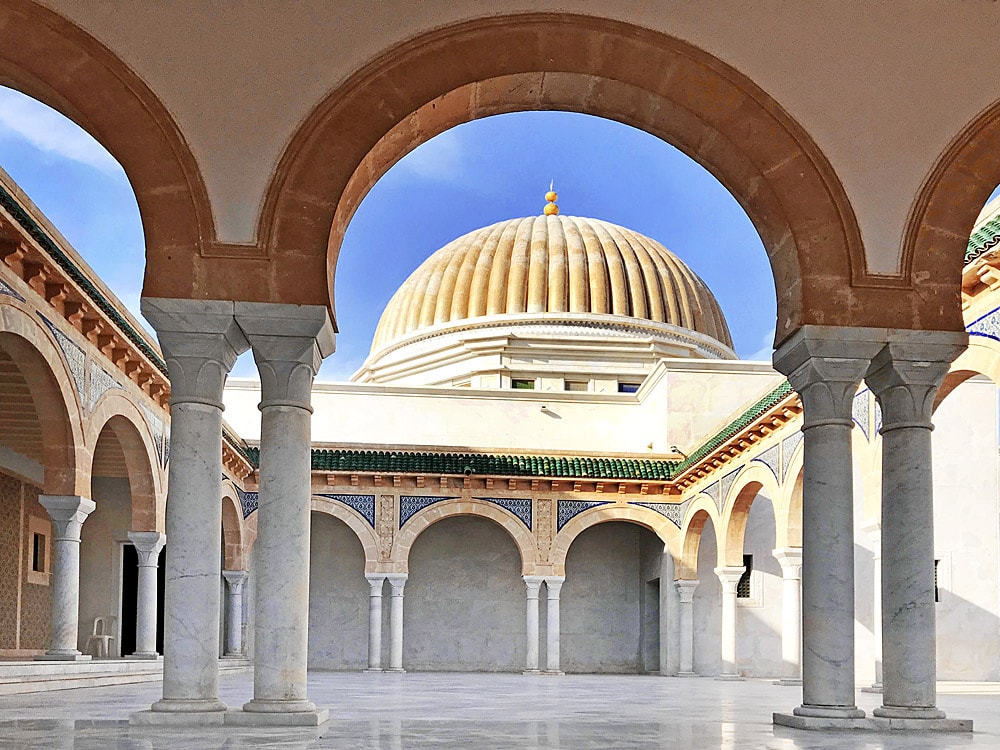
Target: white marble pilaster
235 583
553 585
874 531
825 365
905 377
289 343
685 631
376 582
397 582
729 578
147 548
790 560
200 342
67 513
532 585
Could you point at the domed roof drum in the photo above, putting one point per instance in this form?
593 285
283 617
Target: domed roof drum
551 264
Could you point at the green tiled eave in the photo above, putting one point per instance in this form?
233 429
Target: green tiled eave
66 263
983 239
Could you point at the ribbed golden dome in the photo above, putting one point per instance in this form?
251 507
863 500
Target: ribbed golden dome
552 264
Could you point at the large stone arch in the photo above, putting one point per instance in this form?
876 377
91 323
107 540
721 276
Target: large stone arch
668 533
523 538
116 412
788 510
57 403
235 551
647 79
357 524
981 357
754 478
58 63
701 508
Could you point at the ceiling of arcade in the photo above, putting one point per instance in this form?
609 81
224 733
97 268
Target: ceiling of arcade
20 430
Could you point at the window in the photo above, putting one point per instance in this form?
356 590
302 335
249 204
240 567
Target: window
628 387
38 553
937 590
743 587
522 384
576 385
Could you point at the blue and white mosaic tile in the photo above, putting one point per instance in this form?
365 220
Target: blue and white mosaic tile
520 507
878 417
726 484
860 412
363 504
73 355
771 458
568 509
156 426
248 501
673 512
410 505
987 326
10 292
788 447
101 381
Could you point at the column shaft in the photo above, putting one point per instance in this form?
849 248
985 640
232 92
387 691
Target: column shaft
397 583
729 577
685 631
790 559
235 583
532 585
376 583
553 584
147 547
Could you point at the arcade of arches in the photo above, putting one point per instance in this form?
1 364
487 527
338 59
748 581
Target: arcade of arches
516 493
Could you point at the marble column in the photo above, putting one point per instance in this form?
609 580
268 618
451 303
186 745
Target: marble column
532 585
397 582
376 582
825 365
553 584
729 577
289 343
685 631
790 560
905 377
67 513
874 531
235 582
147 548
200 342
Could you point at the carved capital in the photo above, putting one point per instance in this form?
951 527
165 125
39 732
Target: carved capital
376 581
147 546
235 580
67 513
397 581
532 585
553 584
685 589
730 577
790 560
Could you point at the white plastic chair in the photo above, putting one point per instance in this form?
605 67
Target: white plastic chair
102 636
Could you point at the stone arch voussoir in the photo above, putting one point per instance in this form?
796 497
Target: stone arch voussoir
357 524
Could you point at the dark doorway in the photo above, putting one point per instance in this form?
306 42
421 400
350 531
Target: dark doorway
130 589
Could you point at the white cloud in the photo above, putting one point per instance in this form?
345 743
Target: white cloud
766 350
442 158
50 132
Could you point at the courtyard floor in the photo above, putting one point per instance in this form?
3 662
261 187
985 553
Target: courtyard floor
487 711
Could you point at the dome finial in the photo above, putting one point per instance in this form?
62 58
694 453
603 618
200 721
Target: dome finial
551 209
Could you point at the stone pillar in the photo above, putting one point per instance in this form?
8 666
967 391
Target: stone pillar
552 586
905 377
729 577
790 559
235 581
532 585
685 632
874 531
147 548
376 582
288 342
200 342
825 365
67 512
397 581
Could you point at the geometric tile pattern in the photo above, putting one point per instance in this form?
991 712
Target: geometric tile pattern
726 484
4 289
101 381
673 512
568 509
73 355
363 504
860 412
410 505
248 501
771 458
788 447
520 507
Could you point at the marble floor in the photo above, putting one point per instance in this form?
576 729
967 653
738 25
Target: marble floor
486 711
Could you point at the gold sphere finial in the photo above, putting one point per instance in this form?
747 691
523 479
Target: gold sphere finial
551 209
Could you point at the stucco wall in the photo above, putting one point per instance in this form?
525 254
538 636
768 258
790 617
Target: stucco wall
758 618
706 608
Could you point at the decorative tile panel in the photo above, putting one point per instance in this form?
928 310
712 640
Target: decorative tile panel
156 426
10 292
410 505
987 326
771 458
568 509
726 484
363 504
248 501
878 417
788 447
860 412
101 381
673 512
73 355
520 507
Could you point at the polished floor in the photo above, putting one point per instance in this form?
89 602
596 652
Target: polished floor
486 711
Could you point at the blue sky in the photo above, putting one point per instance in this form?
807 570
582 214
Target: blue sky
473 175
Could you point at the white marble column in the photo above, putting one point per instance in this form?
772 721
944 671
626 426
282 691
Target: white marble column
874 531
147 548
532 585
905 377
67 513
825 364
397 582
289 343
235 582
685 631
729 577
790 559
200 342
553 584
376 582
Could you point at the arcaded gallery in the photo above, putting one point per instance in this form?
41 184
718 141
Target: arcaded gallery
552 506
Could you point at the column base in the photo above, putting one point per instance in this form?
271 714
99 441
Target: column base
531 671
908 712
183 706
233 656
144 657
688 674
730 678
553 671
260 706
789 681
872 724
828 712
875 687
373 670
396 671
63 656
250 718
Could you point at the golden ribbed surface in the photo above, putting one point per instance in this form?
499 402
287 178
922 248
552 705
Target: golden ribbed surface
552 264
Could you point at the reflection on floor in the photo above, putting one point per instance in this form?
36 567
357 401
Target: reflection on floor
487 711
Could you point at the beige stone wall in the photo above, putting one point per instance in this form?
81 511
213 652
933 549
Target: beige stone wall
24 605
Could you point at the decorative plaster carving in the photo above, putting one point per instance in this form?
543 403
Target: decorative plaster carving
543 528
73 354
386 525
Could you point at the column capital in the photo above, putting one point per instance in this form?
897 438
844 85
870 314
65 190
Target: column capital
376 581
67 513
235 577
147 546
790 560
397 581
553 584
289 342
685 589
906 373
533 584
729 577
